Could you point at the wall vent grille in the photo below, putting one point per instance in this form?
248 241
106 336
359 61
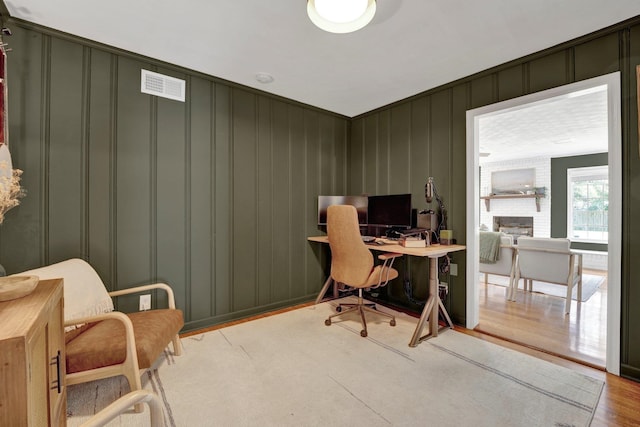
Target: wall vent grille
161 85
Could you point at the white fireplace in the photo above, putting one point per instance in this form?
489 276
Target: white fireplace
515 226
515 207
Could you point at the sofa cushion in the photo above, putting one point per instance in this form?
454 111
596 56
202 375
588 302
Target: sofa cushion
104 343
84 293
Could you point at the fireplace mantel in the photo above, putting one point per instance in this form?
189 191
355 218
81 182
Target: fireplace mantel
487 199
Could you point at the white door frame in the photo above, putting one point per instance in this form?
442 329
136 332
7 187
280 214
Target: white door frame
615 202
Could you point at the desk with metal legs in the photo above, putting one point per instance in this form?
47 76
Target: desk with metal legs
434 304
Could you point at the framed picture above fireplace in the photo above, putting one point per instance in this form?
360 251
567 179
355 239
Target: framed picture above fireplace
513 181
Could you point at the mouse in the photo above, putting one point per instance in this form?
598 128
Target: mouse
379 242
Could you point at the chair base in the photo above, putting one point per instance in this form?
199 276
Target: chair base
340 307
361 307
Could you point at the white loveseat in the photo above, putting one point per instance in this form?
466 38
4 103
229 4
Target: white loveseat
548 260
505 263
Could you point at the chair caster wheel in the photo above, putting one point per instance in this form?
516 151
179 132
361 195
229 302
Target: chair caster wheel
327 322
338 309
393 322
363 333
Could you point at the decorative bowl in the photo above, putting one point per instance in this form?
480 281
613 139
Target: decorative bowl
13 287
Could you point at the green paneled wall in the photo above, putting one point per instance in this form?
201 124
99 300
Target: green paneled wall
215 196
397 147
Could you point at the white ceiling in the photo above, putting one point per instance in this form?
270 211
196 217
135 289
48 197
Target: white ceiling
562 126
409 47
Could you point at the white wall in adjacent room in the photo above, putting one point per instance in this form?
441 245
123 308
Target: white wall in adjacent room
519 207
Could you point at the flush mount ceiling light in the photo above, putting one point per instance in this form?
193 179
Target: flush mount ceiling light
341 16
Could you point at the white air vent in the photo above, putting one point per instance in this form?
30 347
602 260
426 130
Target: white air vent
161 85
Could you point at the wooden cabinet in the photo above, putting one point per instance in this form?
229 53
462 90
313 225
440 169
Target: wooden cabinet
32 362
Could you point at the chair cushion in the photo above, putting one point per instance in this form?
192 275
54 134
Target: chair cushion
71 334
104 343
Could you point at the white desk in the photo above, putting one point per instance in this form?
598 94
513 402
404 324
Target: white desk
434 303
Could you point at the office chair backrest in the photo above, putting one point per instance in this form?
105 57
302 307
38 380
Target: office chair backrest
352 261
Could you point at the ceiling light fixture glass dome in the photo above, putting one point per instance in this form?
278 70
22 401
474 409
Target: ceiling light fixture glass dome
341 16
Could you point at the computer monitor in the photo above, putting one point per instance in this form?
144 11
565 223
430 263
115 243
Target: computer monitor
360 203
389 211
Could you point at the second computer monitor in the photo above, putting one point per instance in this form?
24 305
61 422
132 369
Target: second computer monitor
359 202
393 210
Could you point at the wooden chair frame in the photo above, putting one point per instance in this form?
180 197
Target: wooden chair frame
130 366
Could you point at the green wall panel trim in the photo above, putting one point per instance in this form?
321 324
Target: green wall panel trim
559 166
597 57
419 156
99 138
630 372
65 150
26 222
241 314
511 82
282 201
200 227
631 207
555 69
222 199
395 153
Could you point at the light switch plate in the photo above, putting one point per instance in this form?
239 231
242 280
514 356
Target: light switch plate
145 302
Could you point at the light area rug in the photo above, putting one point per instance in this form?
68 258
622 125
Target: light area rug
590 284
292 370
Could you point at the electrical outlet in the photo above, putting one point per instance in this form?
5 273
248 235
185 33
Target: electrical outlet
453 269
145 302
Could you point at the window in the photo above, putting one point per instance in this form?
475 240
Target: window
588 204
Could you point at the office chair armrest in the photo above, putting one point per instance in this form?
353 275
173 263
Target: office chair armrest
164 286
388 255
388 258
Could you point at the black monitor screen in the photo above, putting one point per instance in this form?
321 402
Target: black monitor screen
390 211
360 203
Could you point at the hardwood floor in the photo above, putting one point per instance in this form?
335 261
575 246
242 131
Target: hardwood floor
538 320
618 405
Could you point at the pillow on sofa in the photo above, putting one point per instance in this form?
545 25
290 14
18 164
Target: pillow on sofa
84 293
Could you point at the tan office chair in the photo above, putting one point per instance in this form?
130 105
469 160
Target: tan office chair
352 262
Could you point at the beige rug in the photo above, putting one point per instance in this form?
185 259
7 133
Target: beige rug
590 285
292 370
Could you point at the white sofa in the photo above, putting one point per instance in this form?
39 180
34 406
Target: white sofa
505 265
548 260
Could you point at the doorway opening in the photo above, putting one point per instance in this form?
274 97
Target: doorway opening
608 85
